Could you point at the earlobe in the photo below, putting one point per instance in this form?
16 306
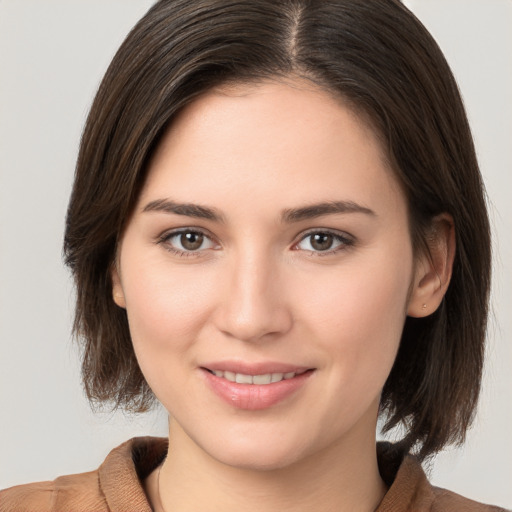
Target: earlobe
117 289
433 268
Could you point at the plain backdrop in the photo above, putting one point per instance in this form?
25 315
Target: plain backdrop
52 56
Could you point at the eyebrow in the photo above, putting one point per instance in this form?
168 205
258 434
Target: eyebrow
327 208
186 209
289 215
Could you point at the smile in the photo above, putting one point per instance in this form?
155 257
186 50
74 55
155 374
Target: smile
255 391
266 378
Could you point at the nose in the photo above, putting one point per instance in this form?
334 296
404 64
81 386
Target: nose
254 305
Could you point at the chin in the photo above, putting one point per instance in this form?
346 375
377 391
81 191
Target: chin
255 456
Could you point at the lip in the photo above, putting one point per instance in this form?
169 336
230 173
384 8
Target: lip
254 396
257 368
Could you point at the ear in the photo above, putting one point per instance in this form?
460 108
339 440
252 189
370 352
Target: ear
433 268
117 288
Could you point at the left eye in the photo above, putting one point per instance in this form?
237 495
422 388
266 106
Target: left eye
321 241
189 241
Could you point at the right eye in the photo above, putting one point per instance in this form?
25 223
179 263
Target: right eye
187 241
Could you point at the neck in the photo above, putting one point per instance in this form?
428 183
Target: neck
344 477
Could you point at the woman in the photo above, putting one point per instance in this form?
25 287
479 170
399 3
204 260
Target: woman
270 210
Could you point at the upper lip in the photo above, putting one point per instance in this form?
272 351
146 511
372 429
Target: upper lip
254 368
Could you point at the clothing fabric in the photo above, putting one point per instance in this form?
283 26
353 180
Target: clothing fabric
116 485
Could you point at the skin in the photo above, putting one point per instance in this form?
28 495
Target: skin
257 291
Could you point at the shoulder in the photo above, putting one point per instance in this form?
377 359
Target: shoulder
410 490
80 492
115 485
445 500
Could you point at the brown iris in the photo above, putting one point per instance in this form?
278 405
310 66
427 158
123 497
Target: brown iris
322 241
191 241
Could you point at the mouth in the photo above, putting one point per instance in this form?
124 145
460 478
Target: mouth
256 387
260 380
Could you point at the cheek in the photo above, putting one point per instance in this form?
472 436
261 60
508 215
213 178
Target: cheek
359 314
166 309
165 305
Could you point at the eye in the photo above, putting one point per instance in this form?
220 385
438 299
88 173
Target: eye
324 241
187 241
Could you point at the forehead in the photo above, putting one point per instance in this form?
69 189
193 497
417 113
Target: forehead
290 135
271 103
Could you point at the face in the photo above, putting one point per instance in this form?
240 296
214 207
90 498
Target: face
270 247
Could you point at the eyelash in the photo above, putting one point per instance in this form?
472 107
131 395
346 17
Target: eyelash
166 237
346 241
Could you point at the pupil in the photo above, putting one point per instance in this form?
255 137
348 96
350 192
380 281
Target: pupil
322 241
191 241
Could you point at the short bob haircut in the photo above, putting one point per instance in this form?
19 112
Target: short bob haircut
381 60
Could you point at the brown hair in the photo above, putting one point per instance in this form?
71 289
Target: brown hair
381 59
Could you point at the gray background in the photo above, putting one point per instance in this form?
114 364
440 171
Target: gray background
52 56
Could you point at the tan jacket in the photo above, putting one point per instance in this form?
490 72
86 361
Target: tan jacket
116 485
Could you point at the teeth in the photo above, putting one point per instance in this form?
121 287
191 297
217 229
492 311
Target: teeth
241 378
262 379
229 376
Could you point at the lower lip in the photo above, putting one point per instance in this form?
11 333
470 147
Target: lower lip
255 397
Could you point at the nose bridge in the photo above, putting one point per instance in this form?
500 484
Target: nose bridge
253 304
